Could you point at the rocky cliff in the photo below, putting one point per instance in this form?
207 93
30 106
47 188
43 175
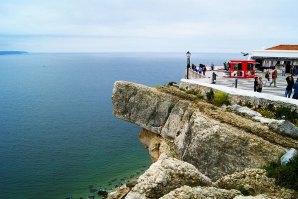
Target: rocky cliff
195 145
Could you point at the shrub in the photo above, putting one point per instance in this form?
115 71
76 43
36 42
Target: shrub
221 98
210 95
244 191
195 92
248 104
171 83
285 175
287 113
266 113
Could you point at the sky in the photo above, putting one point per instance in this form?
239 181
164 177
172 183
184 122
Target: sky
147 25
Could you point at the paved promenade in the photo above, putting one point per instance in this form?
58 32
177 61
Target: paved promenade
247 84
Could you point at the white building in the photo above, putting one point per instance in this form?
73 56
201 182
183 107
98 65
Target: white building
277 56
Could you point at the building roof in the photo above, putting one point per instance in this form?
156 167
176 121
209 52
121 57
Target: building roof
284 47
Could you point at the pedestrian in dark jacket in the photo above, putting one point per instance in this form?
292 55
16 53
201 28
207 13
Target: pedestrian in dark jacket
289 87
295 87
256 84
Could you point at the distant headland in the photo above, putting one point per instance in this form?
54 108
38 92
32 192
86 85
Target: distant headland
12 52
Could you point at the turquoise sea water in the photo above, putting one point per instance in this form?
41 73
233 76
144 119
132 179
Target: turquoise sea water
58 137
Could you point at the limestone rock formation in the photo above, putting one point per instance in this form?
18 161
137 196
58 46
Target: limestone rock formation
164 176
215 148
255 182
156 145
192 142
256 197
186 192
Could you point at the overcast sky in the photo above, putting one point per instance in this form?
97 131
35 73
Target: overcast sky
147 25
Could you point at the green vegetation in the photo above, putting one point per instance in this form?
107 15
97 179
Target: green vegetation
210 95
221 98
279 113
285 175
244 191
195 92
266 113
217 98
172 84
248 104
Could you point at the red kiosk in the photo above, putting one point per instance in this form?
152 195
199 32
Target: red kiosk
242 68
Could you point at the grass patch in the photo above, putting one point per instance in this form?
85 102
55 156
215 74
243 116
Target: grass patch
221 98
285 175
266 113
210 95
279 113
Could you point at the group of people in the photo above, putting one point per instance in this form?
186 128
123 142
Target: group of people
258 84
291 85
201 69
273 76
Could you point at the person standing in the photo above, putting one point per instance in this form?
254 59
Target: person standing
213 78
204 70
212 66
295 87
290 82
274 77
260 82
267 76
256 84
200 71
283 70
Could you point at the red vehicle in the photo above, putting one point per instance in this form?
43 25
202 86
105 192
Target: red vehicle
242 68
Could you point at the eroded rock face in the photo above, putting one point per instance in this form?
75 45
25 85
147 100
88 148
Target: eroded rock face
255 182
164 176
186 192
217 149
213 147
256 197
156 145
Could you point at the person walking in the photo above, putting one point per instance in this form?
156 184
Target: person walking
260 82
290 82
274 77
256 84
295 87
204 70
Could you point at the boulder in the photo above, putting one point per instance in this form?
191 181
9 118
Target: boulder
186 192
255 182
164 176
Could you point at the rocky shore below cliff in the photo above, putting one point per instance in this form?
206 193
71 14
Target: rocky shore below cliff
200 150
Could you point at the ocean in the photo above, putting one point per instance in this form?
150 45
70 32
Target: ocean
58 137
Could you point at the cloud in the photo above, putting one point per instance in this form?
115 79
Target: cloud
154 25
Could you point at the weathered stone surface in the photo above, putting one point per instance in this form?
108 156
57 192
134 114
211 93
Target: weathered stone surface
255 182
184 192
187 192
244 110
256 197
216 148
142 105
156 145
119 193
152 142
164 176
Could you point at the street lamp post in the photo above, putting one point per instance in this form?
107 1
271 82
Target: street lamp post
188 54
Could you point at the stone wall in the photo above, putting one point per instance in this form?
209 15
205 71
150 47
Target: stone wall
239 99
